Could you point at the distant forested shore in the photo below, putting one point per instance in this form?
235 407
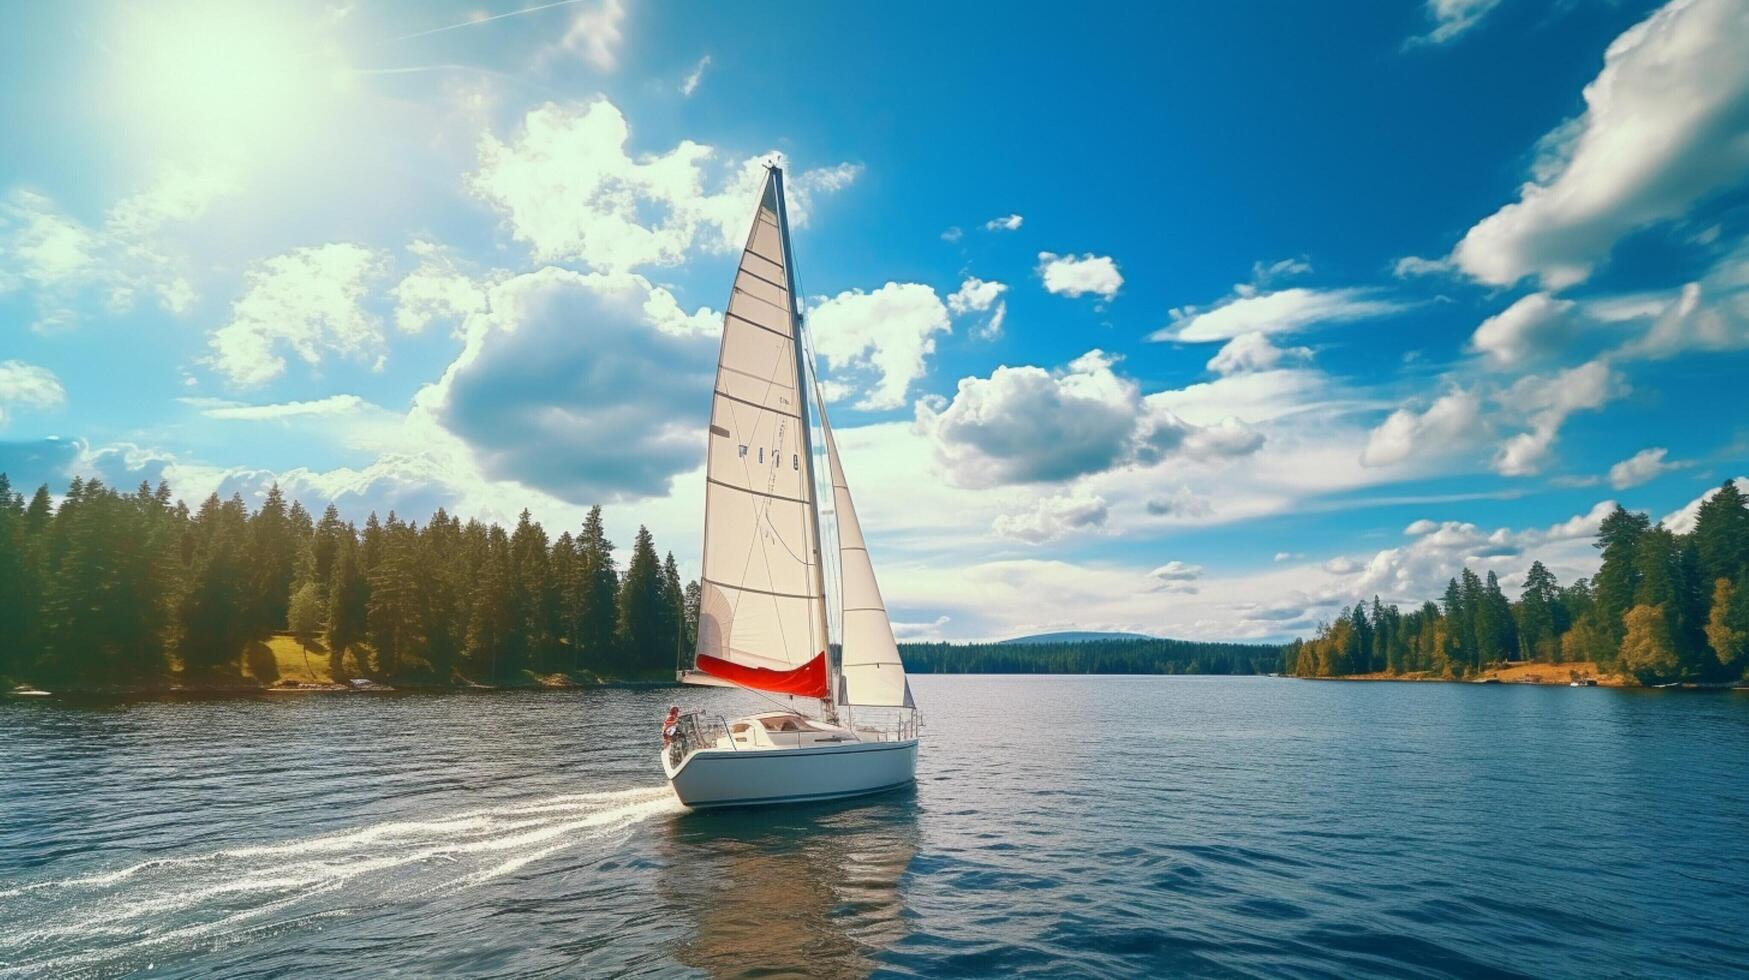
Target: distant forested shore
1663 608
106 590
1093 656
134 591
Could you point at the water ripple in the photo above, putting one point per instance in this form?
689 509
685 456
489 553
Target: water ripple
1060 826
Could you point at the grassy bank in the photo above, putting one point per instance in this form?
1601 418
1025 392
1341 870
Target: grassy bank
1513 673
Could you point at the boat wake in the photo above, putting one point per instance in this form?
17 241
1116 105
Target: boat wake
124 918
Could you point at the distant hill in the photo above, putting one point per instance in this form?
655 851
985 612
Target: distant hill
1076 636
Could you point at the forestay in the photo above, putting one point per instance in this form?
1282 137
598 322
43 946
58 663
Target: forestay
761 610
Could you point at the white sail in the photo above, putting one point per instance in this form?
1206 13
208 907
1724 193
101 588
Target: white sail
761 609
871 672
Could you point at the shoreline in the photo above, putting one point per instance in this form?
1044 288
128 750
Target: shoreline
25 691
1519 672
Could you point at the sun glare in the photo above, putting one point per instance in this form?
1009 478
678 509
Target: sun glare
237 80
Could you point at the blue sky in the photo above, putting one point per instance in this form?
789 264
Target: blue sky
1200 319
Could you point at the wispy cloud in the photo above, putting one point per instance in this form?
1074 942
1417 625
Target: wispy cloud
690 84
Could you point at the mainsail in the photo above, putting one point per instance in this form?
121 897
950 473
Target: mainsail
762 612
871 673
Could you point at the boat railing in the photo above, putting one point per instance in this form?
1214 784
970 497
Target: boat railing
697 731
887 725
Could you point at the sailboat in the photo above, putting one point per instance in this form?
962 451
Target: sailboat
764 620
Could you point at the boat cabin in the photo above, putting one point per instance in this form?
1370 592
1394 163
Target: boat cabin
783 730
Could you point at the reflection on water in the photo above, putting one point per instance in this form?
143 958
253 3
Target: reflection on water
812 891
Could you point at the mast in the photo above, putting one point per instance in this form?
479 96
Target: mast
827 705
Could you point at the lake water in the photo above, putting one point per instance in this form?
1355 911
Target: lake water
1059 826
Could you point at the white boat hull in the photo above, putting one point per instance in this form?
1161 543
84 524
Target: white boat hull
752 777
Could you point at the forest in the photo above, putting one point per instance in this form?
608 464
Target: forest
1663 608
110 589
1093 656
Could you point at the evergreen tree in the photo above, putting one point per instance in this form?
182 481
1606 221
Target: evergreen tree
532 598
1721 533
673 607
1496 637
392 614
1539 639
492 615
443 580
217 616
1470 588
1617 581
271 555
348 604
304 617
598 596
641 614
567 583
693 595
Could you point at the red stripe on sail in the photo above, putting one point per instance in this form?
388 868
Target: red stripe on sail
808 680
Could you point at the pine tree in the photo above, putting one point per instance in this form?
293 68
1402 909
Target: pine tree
1617 581
492 615
598 596
641 616
216 614
532 598
392 614
348 604
693 595
304 617
1538 637
324 545
443 578
1721 533
673 607
1470 587
271 554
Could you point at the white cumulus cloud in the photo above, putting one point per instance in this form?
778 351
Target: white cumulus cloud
1453 420
1642 467
1252 352
1052 517
885 334
569 189
1535 327
1068 275
28 386
438 289
1547 401
1029 425
309 301
981 296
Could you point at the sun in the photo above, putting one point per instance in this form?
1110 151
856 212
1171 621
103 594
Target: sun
232 80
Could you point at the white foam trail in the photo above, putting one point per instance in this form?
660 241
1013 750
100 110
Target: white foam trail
180 902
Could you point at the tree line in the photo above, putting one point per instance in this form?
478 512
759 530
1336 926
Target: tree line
1663 608
109 588
1107 656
